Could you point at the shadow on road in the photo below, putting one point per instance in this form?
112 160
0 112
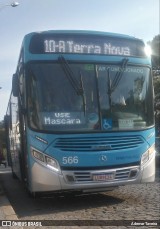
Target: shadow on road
25 206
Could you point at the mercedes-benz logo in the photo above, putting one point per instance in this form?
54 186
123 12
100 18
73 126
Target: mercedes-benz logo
103 158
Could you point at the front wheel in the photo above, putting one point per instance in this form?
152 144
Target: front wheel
14 175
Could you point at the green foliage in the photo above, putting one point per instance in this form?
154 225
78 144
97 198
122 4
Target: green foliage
155 45
156 86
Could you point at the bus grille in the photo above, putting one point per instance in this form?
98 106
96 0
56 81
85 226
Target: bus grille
86 176
97 143
120 174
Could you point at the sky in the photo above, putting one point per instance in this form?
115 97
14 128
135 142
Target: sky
139 18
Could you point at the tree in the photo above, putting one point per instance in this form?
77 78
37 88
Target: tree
156 82
155 45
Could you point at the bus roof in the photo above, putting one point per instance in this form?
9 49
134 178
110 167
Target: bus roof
83 32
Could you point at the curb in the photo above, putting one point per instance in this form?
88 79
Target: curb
6 209
7 213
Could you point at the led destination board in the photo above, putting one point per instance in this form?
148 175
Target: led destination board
69 46
85 44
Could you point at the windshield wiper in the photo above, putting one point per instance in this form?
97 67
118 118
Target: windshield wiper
109 87
112 85
83 94
77 86
119 75
70 75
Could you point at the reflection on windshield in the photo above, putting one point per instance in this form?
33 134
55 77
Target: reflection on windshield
66 97
106 98
112 85
128 103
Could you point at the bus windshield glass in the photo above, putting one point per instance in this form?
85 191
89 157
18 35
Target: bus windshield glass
81 97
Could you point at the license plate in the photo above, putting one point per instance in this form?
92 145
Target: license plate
103 177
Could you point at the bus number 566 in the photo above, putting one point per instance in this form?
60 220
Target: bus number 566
70 160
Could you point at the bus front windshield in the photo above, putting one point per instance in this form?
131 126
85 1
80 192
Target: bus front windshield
88 97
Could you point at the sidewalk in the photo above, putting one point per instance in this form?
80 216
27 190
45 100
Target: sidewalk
6 210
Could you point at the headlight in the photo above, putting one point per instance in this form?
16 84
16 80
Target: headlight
147 155
52 164
39 156
47 161
145 158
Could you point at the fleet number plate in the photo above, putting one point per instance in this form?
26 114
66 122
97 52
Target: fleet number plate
103 177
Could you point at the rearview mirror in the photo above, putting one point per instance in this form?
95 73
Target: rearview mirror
15 85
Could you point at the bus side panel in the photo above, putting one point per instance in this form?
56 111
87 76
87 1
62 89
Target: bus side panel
14 136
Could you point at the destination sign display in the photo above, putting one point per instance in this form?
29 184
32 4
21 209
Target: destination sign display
62 118
85 44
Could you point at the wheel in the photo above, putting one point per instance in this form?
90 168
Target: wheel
14 175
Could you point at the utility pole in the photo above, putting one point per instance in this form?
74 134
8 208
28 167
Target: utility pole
12 4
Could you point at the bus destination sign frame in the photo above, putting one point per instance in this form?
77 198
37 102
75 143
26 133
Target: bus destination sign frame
85 44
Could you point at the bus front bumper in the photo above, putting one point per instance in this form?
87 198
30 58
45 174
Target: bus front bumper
45 180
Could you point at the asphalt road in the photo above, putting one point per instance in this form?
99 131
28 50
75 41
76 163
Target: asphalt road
134 202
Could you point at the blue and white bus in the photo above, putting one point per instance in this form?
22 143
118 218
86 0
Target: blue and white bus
80 115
